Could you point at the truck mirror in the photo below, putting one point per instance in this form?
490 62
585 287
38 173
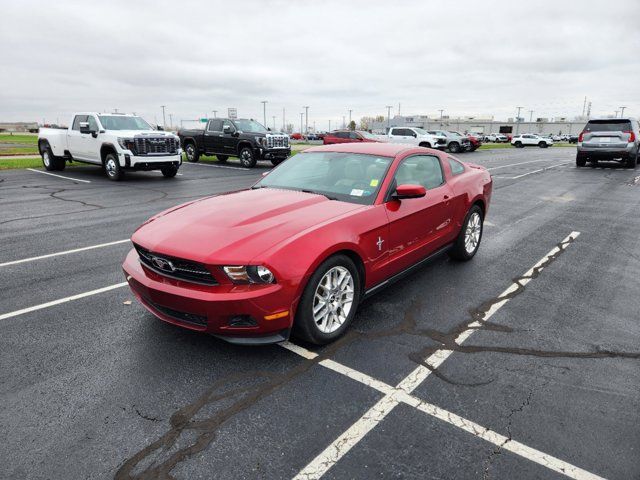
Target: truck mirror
160 128
84 127
226 129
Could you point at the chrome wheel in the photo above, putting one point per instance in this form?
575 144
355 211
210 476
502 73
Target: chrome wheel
190 150
472 233
45 158
246 157
333 299
111 167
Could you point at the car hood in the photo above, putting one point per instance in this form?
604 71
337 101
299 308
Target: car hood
235 228
140 133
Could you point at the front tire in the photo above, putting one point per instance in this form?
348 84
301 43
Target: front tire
277 161
518 145
425 145
470 235
329 301
454 147
112 167
543 145
247 157
169 172
191 152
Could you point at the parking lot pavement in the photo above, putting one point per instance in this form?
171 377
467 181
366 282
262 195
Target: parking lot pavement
547 385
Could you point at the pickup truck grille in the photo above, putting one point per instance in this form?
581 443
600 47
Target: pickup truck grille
277 141
176 267
156 145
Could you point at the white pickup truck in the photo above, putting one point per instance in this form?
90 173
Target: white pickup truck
416 136
115 141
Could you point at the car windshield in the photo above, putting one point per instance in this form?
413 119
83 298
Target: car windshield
420 131
349 177
250 126
368 135
608 126
120 122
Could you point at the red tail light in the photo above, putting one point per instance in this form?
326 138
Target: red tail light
580 136
632 136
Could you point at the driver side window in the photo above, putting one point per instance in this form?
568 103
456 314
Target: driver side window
228 126
422 170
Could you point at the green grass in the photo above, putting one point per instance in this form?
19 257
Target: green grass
18 138
12 163
18 150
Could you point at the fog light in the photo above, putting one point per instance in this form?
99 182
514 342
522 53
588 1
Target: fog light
242 321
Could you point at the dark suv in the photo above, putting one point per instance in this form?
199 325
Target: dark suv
609 139
246 139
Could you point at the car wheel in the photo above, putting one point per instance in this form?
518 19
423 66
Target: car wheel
49 161
580 161
192 152
247 158
169 172
454 147
543 145
425 145
518 145
468 240
112 167
632 161
222 158
329 301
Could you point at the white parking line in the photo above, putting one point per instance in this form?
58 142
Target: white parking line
59 176
61 300
540 170
341 445
66 252
218 166
516 164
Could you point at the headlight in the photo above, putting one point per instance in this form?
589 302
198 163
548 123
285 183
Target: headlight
126 143
249 274
262 141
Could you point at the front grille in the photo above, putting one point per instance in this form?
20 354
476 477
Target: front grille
277 141
176 267
176 314
155 145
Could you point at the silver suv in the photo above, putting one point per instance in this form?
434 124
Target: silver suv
609 139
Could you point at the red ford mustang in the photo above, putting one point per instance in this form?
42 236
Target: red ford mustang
301 248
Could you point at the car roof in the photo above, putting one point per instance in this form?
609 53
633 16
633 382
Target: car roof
368 148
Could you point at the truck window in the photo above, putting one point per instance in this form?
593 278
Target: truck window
77 121
215 126
93 124
227 123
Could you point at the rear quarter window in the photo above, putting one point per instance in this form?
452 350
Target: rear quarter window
456 167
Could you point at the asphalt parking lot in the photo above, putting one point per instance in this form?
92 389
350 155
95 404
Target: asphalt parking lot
523 363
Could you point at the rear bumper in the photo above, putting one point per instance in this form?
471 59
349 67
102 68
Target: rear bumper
607 153
214 309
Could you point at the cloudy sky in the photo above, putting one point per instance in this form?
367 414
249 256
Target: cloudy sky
466 57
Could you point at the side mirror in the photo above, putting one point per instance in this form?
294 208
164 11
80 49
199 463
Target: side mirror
268 129
84 127
160 128
409 191
226 129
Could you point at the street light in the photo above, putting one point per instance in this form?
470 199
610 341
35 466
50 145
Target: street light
306 119
264 112
214 113
350 118
301 117
622 111
164 120
389 107
518 120
441 114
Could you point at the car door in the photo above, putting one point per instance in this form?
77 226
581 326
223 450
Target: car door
228 140
400 135
91 145
76 140
418 226
212 138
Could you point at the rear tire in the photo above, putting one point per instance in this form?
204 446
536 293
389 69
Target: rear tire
326 293
169 172
247 157
50 161
454 147
632 161
112 167
222 158
470 235
192 153
580 161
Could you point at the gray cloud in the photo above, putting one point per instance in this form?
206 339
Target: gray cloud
467 57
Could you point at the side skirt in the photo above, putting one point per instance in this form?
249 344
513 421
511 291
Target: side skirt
407 271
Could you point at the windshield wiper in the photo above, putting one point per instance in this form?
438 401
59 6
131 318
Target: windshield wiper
318 193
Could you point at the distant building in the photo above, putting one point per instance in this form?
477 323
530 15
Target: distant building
19 127
485 126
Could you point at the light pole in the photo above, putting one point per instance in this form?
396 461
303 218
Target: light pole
530 116
622 111
170 120
214 113
389 107
616 115
441 115
329 125
518 120
301 117
306 119
274 122
344 122
264 112
350 118
164 120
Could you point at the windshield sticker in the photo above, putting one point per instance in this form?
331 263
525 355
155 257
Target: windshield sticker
374 182
356 192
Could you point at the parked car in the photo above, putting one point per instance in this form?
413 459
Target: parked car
609 139
529 139
496 138
573 138
246 139
115 141
416 136
296 136
313 136
455 142
297 252
349 136
475 141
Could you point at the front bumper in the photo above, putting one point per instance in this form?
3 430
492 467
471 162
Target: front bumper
216 309
269 153
149 162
